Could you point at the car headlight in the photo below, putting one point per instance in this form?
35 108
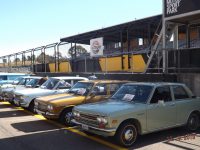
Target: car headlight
50 107
102 120
76 114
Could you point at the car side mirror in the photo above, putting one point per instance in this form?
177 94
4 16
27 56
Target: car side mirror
161 102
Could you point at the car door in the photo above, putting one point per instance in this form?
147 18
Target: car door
161 111
183 102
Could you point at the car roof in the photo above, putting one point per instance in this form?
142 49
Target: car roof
155 83
70 78
31 77
106 81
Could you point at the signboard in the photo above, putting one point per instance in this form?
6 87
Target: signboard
179 7
96 47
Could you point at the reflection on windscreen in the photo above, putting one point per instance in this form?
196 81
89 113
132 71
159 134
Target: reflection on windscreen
22 81
135 93
32 83
50 84
81 88
17 80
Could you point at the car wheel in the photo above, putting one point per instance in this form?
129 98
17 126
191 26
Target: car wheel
32 106
66 117
193 122
126 134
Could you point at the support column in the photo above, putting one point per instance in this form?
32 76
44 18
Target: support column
165 53
122 50
187 36
128 48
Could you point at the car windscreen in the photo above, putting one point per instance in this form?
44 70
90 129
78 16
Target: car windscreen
32 83
50 84
81 88
17 80
134 93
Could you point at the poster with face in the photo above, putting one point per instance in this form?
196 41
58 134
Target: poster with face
96 47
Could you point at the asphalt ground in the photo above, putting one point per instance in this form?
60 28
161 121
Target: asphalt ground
22 130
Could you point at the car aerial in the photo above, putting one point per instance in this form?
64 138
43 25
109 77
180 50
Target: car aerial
54 85
140 108
60 106
7 90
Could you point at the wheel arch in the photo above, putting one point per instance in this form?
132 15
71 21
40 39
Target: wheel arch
69 107
133 121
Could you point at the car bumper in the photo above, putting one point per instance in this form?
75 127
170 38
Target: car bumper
98 131
47 114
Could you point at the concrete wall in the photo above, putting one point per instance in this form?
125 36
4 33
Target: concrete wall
191 80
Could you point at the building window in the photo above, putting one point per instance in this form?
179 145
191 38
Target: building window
118 45
140 41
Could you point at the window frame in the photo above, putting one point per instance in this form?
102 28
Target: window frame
170 90
180 99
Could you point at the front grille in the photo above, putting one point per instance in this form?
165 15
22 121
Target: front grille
88 119
42 106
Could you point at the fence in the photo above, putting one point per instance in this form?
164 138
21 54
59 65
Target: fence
56 58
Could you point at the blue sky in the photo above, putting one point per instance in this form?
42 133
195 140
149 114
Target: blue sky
27 24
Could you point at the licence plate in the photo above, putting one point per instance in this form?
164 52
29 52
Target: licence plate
84 127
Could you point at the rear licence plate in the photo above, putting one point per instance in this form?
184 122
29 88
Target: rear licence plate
84 127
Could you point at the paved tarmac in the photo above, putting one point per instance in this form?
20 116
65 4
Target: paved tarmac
22 130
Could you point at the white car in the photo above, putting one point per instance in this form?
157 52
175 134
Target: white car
54 85
26 82
7 90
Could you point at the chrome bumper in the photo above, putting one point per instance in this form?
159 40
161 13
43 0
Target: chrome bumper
46 114
95 130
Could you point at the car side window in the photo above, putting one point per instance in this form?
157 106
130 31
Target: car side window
161 93
114 88
179 92
100 89
63 85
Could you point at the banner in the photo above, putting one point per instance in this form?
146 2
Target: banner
177 7
96 47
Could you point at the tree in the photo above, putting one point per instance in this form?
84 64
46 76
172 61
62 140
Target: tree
16 60
28 58
76 51
45 58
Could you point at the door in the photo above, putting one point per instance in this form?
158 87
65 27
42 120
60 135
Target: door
161 111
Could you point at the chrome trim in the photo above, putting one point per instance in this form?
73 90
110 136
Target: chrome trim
104 130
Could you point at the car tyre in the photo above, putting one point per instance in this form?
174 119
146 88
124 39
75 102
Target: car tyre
193 122
127 134
66 117
32 106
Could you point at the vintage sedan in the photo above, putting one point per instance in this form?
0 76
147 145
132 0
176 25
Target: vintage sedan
140 108
7 92
54 85
60 106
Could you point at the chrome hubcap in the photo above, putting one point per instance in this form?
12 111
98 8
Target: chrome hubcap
68 117
128 135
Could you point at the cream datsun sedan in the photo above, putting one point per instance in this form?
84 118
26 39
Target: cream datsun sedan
140 108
